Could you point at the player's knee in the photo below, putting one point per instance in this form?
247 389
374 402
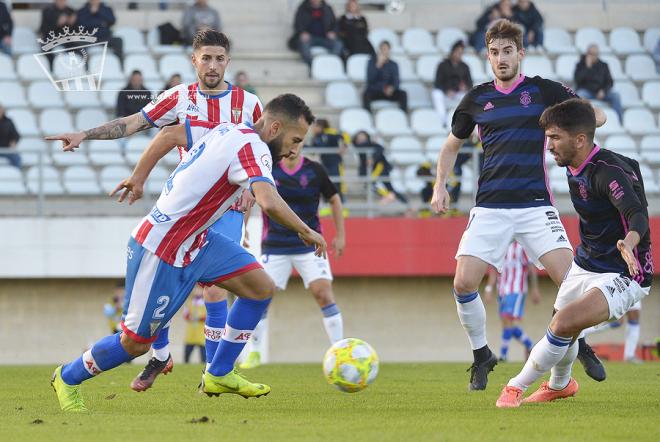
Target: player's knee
463 286
214 294
562 325
133 347
324 296
264 289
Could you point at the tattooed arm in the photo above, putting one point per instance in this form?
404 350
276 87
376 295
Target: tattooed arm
119 128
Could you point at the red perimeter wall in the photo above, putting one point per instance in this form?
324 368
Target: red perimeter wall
417 247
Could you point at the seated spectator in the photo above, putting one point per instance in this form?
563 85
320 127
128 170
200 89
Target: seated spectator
96 15
383 80
315 25
336 144
197 17
452 81
426 172
55 17
380 168
502 9
174 80
6 28
243 82
527 15
133 97
594 81
8 138
354 31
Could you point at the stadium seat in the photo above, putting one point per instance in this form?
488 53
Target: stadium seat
629 94
651 94
612 126
377 35
586 36
133 39
61 158
392 122
328 68
88 118
404 151
68 65
54 121
651 36
397 180
641 68
476 65
82 99
557 41
156 180
109 92
28 68
135 145
354 120
558 180
625 41
51 184
467 179
650 183
622 144
111 69
13 94
414 184
426 123
616 70
42 94
639 122
538 65
417 41
418 95
356 67
24 41
33 150
406 70
377 105
650 149
11 181
143 63
342 95
565 66
427 66
153 40
25 122
80 180
434 146
176 64
105 152
448 36
7 71
111 176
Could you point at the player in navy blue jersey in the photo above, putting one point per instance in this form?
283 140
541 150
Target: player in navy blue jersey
302 183
613 266
514 199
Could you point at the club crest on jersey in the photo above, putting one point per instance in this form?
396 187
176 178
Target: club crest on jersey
266 161
525 98
304 182
236 112
583 190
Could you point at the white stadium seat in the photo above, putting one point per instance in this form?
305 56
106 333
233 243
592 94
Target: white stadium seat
651 94
25 122
612 126
80 180
88 118
558 180
156 180
434 146
427 66
558 41
68 65
7 71
109 91
650 148
61 158
55 121
639 122
406 70
614 64
28 68
328 68
356 67
105 152
629 94
50 185
476 65
650 184
418 95
533 65
587 36
651 36
622 144
33 150
109 67
417 41
397 180
135 145
405 150
413 183
143 63
110 176
448 36
24 41
82 99
625 41
13 94
342 94
355 120
565 66
153 40
426 123
467 179
42 94
11 181
176 64
378 35
133 39
641 68
392 122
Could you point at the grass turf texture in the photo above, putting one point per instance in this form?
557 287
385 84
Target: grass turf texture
407 402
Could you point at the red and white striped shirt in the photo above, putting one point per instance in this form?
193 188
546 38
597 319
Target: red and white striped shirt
209 179
513 278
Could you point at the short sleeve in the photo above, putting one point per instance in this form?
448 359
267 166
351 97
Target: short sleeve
196 129
462 123
163 109
256 111
327 187
554 92
252 163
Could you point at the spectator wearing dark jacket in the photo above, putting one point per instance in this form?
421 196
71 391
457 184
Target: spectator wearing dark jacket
594 81
96 15
379 167
315 25
55 17
197 17
383 80
354 30
8 138
133 97
452 81
526 14
501 9
6 28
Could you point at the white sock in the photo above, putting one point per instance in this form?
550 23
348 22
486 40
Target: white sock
161 353
560 374
632 338
258 335
545 355
472 314
334 327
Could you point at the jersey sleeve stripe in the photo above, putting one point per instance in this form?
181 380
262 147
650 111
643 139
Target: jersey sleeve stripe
246 157
192 93
163 107
256 113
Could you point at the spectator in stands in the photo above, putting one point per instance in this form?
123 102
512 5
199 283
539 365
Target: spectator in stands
133 97
380 168
194 313
594 81
315 25
96 15
113 309
502 9
243 82
6 28
56 16
199 16
656 55
526 14
383 80
174 80
452 81
8 138
336 144
354 31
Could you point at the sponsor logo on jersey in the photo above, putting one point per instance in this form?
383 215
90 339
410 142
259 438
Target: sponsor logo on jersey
159 216
192 108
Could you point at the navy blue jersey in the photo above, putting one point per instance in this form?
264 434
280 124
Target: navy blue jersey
513 173
607 192
302 189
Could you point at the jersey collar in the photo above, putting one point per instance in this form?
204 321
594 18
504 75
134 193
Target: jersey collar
511 88
578 170
220 95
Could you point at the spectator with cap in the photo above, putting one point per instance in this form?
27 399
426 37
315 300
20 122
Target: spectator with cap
593 80
452 81
383 80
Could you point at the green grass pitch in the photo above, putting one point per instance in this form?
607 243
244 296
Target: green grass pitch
415 402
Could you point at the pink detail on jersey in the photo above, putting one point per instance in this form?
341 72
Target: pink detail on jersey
577 171
512 87
293 171
525 98
583 190
237 99
246 157
489 106
514 272
142 234
617 191
164 106
256 113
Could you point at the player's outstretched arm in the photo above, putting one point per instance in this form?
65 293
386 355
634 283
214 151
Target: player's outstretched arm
273 205
339 241
446 160
119 128
626 247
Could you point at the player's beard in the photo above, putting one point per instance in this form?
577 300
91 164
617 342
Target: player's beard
275 147
212 84
509 75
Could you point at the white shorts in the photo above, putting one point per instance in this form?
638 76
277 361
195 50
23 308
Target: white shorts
620 292
308 265
636 306
490 232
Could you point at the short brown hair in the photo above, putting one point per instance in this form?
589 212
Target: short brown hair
210 37
506 30
575 116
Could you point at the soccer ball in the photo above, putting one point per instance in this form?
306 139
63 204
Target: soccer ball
350 365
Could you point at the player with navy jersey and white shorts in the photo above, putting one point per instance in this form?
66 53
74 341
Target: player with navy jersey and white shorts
514 200
173 247
613 266
207 102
